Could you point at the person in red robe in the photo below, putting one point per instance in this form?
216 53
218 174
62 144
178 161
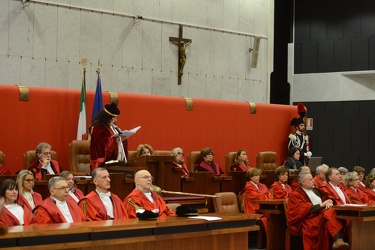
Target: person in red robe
356 195
331 190
280 189
179 161
103 146
207 163
101 204
305 213
254 190
27 197
370 188
240 161
57 208
44 164
320 176
295 183
13 214
74 193
142 198
361 174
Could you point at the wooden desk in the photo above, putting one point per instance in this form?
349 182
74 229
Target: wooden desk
231 232
276 222
362 225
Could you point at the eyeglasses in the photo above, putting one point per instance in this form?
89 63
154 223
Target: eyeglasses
29 180
147 177
47 153
355 179
180 153
62 188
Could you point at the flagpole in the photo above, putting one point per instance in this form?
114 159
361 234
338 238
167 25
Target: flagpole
82 128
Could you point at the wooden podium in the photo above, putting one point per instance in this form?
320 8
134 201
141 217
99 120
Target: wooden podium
362 220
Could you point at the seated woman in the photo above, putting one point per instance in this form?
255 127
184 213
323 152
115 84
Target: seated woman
13 214
254 191
370 188
74 192
27 197
292 162
280 188
180 161
207 162
240 161
144 150
44 164
356 195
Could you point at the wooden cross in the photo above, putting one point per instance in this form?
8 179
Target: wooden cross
181 43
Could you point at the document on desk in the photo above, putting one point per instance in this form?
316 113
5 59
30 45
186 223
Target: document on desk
127 133
209 218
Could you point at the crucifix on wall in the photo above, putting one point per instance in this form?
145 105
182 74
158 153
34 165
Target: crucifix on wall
181 43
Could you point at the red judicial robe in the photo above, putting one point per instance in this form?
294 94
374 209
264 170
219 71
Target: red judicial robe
304 217
141 200
48 213
318 182
36 169
78 193
357 196
213 167
240 167
185 171
102 146
295 184
371 195
7 218
342 186
37 198
93 207
250 193
333 225
280 192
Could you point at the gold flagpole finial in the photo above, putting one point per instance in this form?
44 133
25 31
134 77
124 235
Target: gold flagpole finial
84 62
99 65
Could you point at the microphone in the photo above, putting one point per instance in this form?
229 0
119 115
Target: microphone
117 129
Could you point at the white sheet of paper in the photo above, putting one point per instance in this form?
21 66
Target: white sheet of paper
209 218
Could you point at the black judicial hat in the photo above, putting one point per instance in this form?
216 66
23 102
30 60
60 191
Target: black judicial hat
296 121
112 109
185 210
147 214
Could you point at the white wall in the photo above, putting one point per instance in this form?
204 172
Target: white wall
42 45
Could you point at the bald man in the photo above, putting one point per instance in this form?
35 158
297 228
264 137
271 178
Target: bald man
143 197
295 183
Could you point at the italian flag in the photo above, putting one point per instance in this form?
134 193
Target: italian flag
81 131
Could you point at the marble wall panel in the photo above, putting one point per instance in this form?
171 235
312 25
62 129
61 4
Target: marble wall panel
33 71
187 11
239 57
141 83
106 5
165 9
121 79
4 24
260 89
161 83
21 29
246 16
183 89
45 32
230 88
214 87
205 52
215 14
61 1
231 14
75 75
197 85
245 90
106 76
10 69
132 37
90 36
151 47
222 53
169 51
56 74
144 8
68 34
112 40
261 22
